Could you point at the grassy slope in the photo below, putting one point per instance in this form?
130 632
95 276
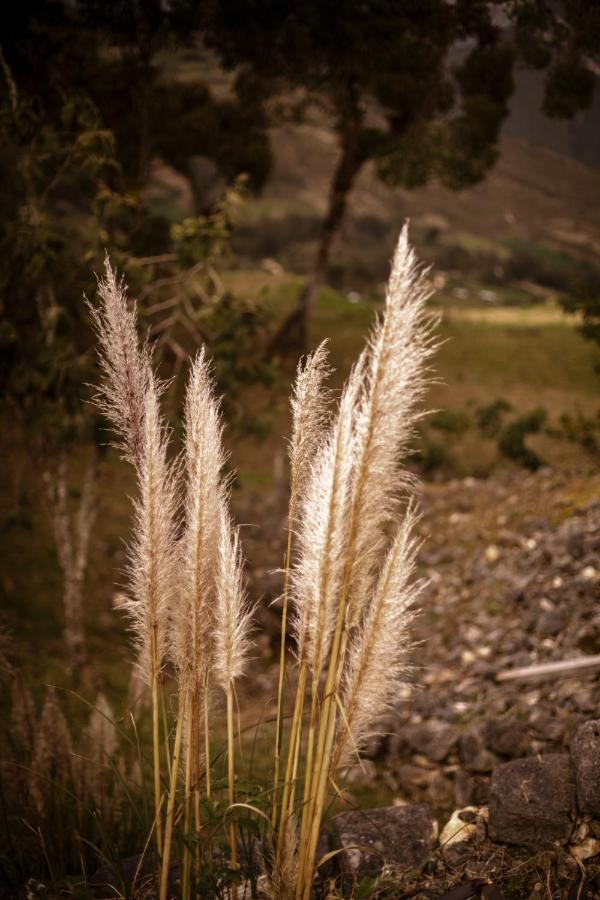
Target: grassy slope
531 357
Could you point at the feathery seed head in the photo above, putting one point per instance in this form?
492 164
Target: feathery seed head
309 405
376 667
205 498
317 577
232 614
394 385
125 365
152 566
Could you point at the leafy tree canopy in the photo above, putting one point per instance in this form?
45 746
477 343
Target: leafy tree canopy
421 87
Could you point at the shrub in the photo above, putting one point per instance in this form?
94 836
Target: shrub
581 430
511 441
453 421
489 417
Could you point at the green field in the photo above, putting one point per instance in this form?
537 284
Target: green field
531 357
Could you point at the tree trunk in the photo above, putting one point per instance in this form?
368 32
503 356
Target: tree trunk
293 333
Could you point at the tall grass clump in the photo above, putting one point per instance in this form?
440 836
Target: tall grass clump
347 586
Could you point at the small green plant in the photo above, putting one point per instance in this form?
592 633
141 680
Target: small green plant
581 430
511 441
432 456
489 417
452 421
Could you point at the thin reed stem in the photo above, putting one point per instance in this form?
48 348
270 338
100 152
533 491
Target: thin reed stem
207 767
310 747
324 754
156 745
282 669
295 735
164 877
231 784
165 722
196 779
189 752
313 809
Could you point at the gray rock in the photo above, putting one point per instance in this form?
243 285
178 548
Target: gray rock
532 801
550 623
548 726
583 700
399 835
473 753
471 790
506 735
585 753
434 738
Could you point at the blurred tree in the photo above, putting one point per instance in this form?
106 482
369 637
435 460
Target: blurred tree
419 87
85 108
584 298
58 212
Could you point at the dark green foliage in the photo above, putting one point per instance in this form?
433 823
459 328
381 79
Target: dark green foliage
581 429
511 441
329 51
86 110
489 417
432 455
421 89
59 214
584 298
452 421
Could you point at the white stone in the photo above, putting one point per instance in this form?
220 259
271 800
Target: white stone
492 553
455 831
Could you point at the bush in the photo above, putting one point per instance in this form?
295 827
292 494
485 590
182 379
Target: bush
489 417
453 421
511 442
581 430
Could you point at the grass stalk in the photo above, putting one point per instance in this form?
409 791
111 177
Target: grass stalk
293 750
313 808
322 770
282 669
207 773
189 754
156 745
207 767
164 877
310 746
231 783
165 722
196 781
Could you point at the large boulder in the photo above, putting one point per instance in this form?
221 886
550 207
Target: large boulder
532 801
396 835
585 753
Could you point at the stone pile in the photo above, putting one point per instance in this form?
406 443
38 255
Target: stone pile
537 802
